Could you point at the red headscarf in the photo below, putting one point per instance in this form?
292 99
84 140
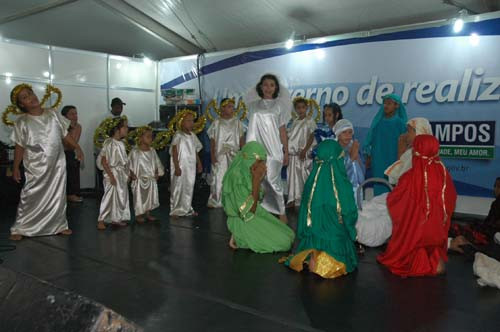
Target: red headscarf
420 206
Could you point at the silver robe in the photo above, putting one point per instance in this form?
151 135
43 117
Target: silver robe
266 116
298 170
146 166
115 205
226 133
181 187
42 206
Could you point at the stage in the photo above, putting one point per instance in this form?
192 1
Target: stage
180 275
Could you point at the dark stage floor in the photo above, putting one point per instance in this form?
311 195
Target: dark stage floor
180 275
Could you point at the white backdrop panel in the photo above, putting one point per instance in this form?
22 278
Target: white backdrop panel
80 68
132 74
24 60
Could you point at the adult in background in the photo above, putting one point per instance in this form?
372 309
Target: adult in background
72 163
117 107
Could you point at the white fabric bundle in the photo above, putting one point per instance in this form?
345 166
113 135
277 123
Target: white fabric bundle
374 225
487 269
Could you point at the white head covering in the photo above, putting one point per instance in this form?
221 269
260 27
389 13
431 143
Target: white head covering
421 126
341 126
394 172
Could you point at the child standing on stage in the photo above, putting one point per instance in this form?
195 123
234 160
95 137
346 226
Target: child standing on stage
226 139
113 161
300 140
185 163
381 142
38 135
267 121
331 114
146 167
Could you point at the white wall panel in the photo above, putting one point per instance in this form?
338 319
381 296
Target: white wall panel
79 68
24 60
124 72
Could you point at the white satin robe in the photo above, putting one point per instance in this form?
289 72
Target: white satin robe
42 206
227 134
145 165
266 116
298 170
115 205
181 187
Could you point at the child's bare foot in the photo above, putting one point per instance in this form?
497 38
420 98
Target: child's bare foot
66 232
140 219
441 269
194 214
101 226
15 237
283 218
74 199
232 243
312 262
119 223
150 217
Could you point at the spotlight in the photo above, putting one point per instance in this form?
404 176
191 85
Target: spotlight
147 61
8 80
289 44
458 25
474 39
8 74
46 74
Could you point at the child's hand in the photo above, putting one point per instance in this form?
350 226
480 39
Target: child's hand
214 160
199 168
132 176
79 154
156 175
16 174
303 154
258 171
112 180
285 158
354 153
177 172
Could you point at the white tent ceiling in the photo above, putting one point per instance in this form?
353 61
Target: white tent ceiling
169 28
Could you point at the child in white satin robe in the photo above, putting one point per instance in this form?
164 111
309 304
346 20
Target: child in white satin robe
300 140
184 164
146 167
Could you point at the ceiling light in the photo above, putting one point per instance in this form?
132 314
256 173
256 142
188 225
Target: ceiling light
289 44
458 25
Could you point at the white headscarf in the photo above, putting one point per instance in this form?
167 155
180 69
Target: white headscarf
394 172
341 126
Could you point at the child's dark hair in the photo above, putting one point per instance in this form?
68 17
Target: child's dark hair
117 127
268 77
66 109
17 98
497 181
335 109
299 100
